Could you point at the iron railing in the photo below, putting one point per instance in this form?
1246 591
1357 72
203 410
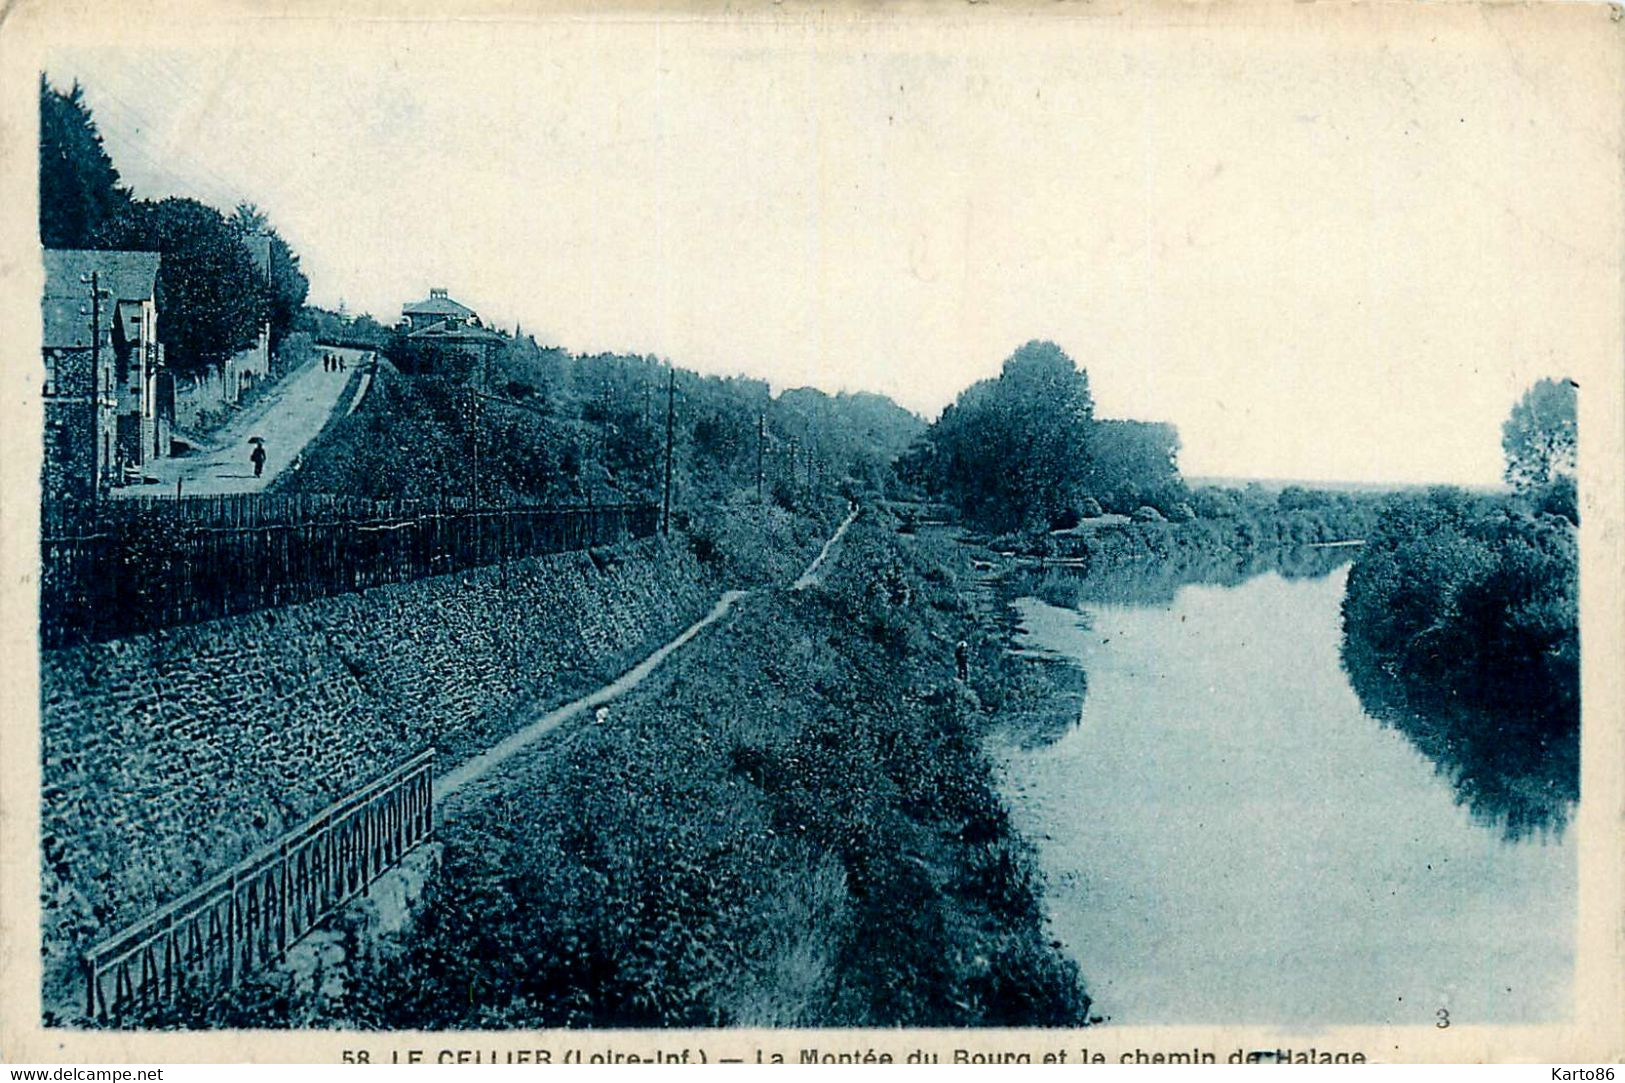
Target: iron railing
136 566
250 915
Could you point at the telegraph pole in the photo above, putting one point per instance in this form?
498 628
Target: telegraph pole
761 440
671 400
94 280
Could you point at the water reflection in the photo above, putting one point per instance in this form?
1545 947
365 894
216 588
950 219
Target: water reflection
1508 768
1048 702
1230 837
1512 769
1155 582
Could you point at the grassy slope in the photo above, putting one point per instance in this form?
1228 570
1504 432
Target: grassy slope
794 823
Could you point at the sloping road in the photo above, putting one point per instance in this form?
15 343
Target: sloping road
288 418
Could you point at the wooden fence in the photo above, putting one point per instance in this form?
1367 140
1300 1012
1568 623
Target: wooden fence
132 566
249 916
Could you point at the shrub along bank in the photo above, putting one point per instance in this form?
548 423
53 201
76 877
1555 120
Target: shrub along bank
793 823
1227 532
1461 629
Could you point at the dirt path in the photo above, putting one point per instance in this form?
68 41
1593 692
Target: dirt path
483 764
288 418
452 783
810 576
393 894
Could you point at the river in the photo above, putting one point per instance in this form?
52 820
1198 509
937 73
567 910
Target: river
1228 837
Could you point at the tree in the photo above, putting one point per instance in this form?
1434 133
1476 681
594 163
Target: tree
1013 451
211 296
79 189
289 286
1539 437
1133 463
247 218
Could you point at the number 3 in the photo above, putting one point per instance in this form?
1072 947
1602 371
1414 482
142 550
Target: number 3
1444 1018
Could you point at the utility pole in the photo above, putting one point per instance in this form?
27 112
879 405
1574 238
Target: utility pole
471 416
98 448
671 401
761 441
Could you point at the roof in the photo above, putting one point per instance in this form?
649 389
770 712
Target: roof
126 276
446 331
66 326
66 307
436 306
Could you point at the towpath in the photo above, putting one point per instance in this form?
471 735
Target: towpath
288 418
480 767
493 757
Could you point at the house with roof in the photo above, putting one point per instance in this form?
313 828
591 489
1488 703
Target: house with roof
109 401
439 310
445 336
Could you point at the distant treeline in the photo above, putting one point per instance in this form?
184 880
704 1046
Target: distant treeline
342 329
1215 521
539 423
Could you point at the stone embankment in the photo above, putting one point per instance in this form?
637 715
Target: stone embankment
168 757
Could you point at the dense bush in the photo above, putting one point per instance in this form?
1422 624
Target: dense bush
1461 627
742 542
1233 524
1475 594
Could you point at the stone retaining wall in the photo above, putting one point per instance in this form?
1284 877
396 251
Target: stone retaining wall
169 757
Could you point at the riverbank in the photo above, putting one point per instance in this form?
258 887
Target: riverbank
792 823
1223 781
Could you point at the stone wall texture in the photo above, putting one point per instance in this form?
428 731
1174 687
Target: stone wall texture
169 757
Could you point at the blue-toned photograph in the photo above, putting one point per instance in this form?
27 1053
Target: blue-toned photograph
645 524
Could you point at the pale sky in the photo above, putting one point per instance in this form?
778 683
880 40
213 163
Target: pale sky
1320 255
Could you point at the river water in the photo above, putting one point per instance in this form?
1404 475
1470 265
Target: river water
1228 837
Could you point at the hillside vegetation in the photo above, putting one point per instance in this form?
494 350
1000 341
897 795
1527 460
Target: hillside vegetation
541 424
794 824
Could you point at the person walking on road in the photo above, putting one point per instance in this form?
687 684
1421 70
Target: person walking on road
257 457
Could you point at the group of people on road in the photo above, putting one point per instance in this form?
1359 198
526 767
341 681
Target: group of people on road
331 362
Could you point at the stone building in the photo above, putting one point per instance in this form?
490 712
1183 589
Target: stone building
446 337
109 402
